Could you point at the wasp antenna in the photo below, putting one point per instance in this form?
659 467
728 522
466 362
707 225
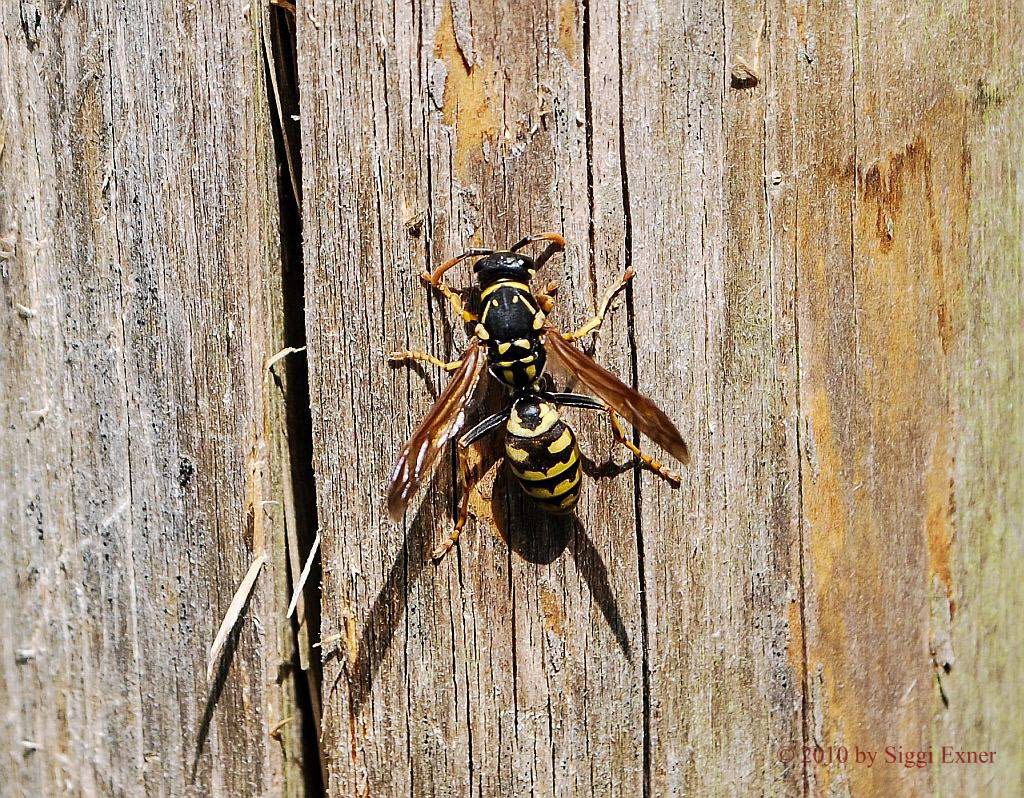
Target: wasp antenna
555 238
434 277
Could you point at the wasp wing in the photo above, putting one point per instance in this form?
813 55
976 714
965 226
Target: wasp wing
636 408
442 423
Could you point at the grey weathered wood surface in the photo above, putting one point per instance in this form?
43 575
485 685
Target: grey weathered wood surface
823 207
141 453
827 301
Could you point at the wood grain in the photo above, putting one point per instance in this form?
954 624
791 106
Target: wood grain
141 453
809 198
893 271
822 204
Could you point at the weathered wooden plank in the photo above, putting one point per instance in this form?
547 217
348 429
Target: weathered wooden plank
523 641
974 634
140 455
894 267
796 188
714 336
488 673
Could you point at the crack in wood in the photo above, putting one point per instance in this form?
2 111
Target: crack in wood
293 381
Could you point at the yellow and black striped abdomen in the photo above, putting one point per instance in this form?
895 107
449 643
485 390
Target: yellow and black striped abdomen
547 465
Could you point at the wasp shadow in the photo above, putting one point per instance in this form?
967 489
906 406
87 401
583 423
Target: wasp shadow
535 536
388 608
540 538
416 367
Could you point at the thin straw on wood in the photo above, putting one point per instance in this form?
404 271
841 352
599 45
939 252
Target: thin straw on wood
288 350
234 610
303 576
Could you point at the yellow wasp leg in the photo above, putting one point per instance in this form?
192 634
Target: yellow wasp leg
546 300
598 320
423 357
445 545
453 299
435 279
620 436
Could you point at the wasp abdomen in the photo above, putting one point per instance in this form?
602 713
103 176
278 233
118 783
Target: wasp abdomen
543 455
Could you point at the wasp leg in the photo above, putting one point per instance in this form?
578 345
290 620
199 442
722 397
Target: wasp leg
481 430
453 298
445 545
546 299
596 322
665 473
423 357
577 400
435 279
590 403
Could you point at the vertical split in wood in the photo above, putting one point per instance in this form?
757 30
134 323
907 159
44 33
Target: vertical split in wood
634 381
298 484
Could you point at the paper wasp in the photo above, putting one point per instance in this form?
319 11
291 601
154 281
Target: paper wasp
513 338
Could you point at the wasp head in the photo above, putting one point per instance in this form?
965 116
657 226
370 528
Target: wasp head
503 266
